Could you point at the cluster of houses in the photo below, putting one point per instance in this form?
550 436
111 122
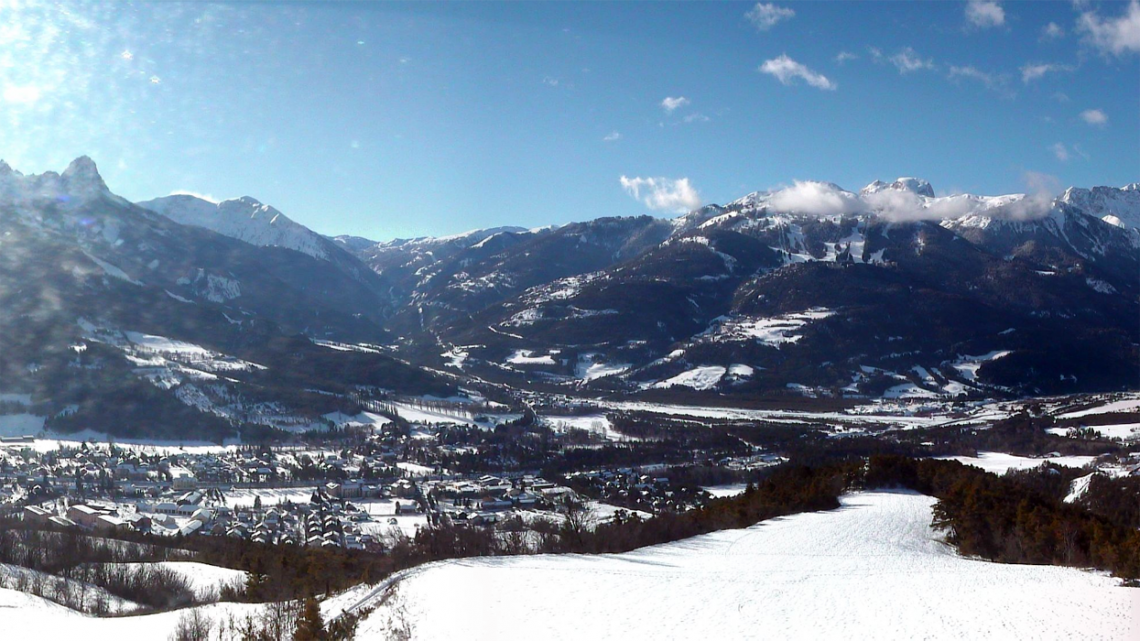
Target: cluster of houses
107 488
322 521
482 500
637 488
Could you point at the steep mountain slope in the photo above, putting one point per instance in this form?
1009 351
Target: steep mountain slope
445 281
243 218
119 319
1120 207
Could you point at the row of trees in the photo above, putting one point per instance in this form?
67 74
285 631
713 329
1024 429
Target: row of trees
1012 520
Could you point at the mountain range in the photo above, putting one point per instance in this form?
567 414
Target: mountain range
131 318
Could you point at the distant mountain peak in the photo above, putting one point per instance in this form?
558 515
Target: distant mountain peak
1119 207
79 183
913 185
246 219
82 177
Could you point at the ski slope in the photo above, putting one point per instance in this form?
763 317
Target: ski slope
871 569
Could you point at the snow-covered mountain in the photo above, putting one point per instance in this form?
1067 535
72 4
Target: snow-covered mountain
86 277
1120 207
243 218
812 289
79 184
890 289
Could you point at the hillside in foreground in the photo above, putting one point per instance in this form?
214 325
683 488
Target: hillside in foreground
872 569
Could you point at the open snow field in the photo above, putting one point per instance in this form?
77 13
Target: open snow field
202 577
871 569
23 616
1000 463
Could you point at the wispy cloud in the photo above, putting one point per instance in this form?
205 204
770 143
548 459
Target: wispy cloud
1052 31
984 14
670 104
550 81
909 61
663 194
764 16
1118 35
613 136
973 73
787 70
1031 72
696 117
1060 151
1094 117
185 192
844 56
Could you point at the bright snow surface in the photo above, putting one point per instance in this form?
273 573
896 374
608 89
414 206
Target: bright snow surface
1000 462
872 569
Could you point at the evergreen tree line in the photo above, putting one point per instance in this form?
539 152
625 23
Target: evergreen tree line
1018 518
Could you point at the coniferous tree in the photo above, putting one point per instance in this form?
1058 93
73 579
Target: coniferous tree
310 626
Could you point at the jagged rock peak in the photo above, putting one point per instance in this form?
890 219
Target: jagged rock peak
914 185
82 175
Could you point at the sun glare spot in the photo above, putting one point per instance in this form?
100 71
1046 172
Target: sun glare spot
22 95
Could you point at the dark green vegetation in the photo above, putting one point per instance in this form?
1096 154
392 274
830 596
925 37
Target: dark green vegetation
1021 518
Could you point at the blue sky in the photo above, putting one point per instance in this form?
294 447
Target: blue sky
390 120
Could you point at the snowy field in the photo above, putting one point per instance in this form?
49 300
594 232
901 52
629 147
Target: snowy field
872 569
1124 431
597 423
269 496
23 616
722 491
202 577
1000 463
21 424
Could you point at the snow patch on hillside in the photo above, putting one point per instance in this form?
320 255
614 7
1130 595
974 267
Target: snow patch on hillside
774 331
698 378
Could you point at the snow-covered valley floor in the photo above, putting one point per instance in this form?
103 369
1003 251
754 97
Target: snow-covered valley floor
872 569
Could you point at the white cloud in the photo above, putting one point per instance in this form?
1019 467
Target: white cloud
825 199
663 194
206 197
1094 117
844 56
1031 72
765 16
898 205
908 61
973 73
786 70
550 81
1052 31
816 198
696 117
670 104
1113 35
1060 151
984 14
612 136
